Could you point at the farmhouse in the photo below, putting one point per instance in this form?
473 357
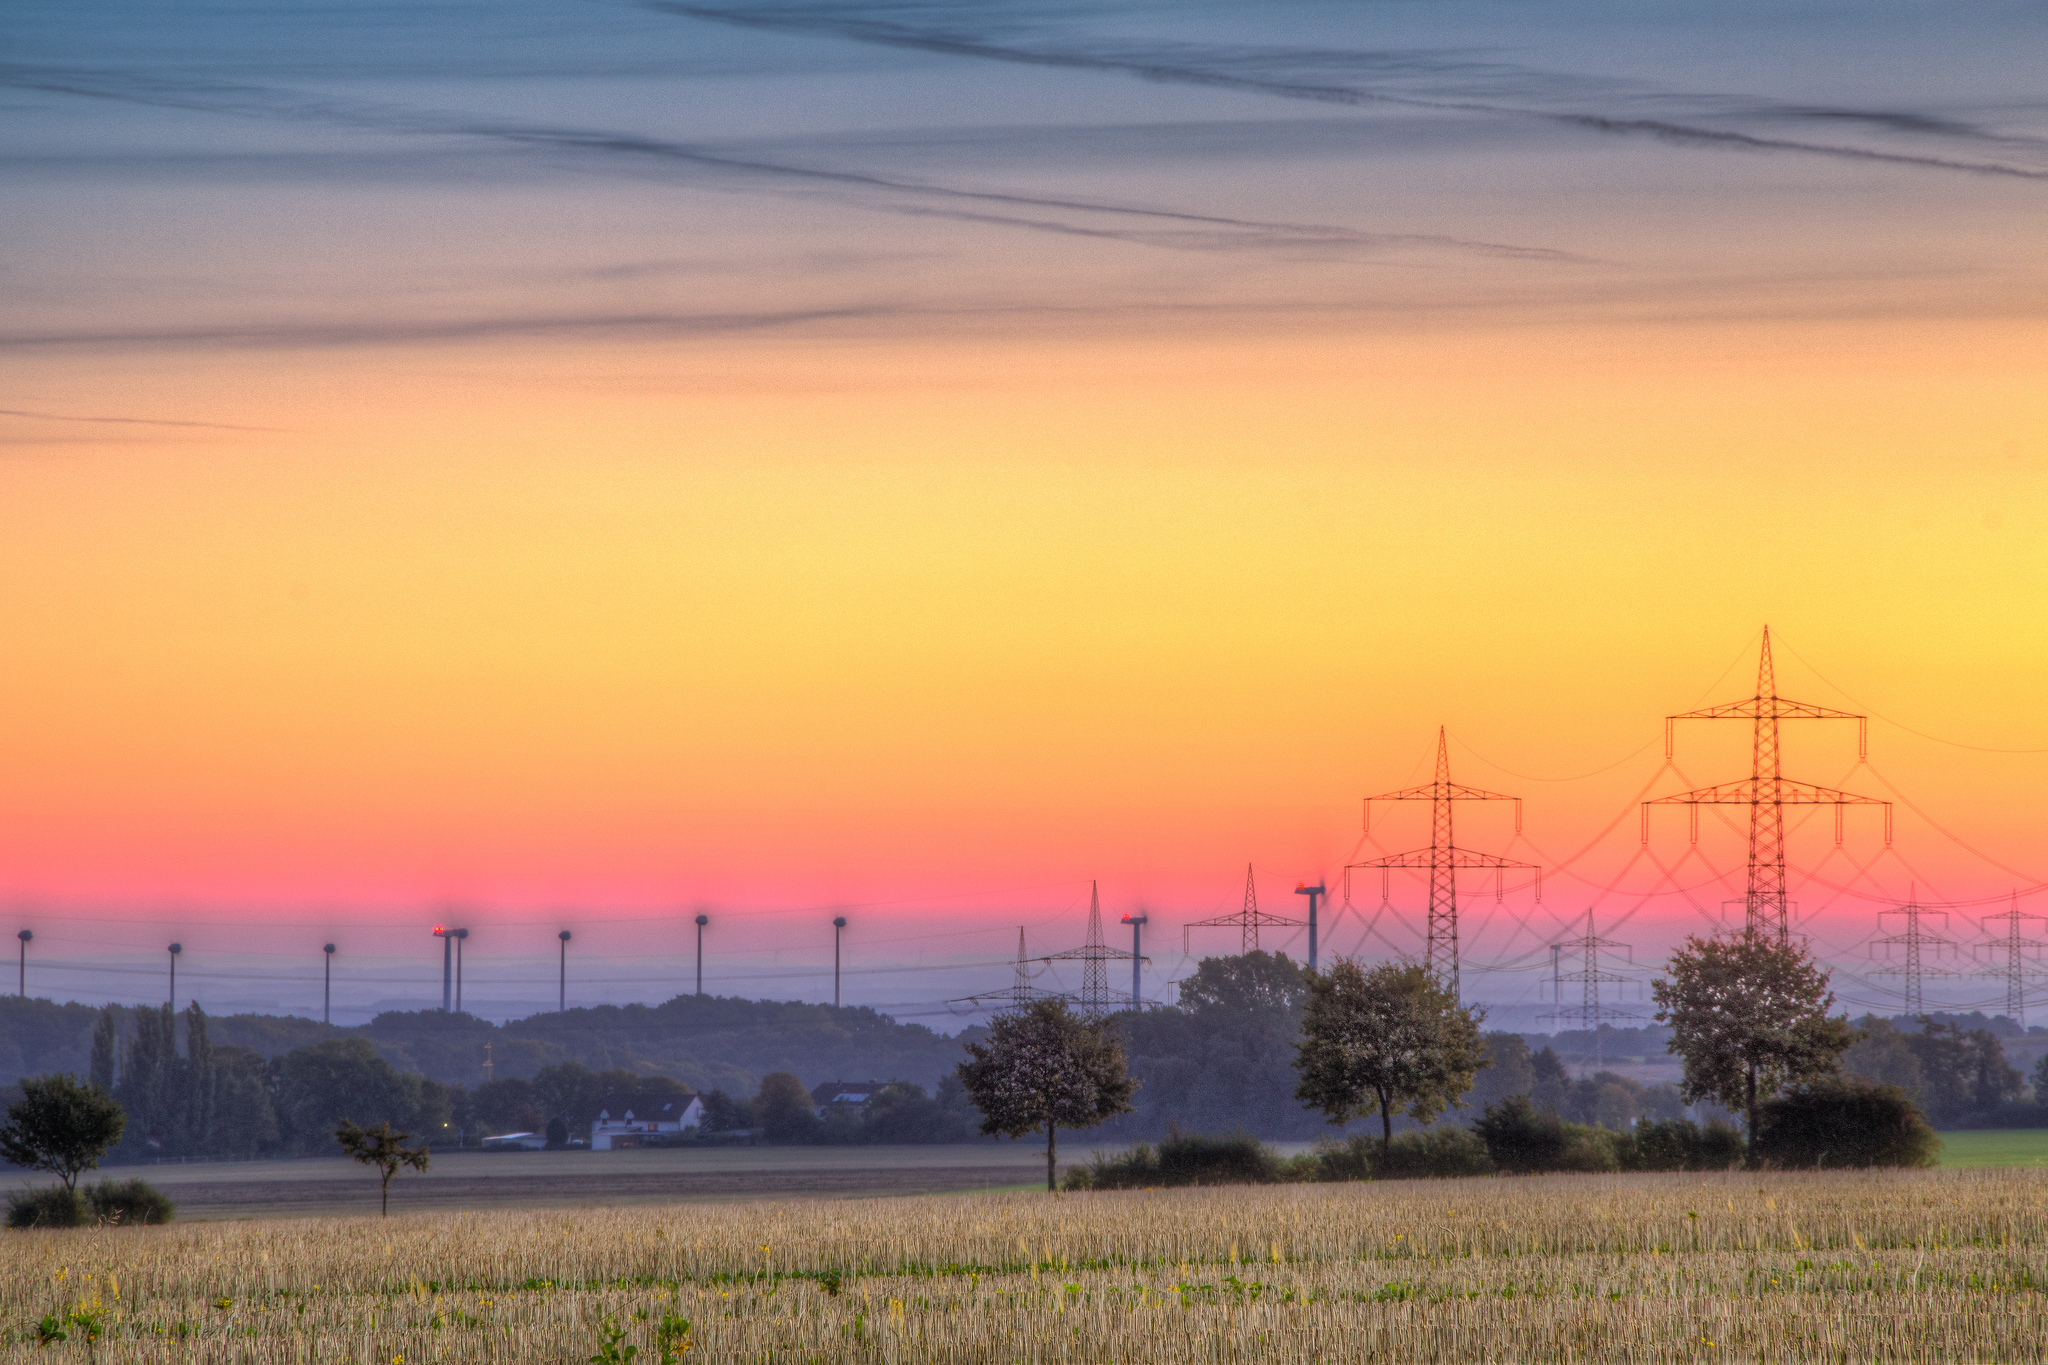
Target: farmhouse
643 1117
834 1094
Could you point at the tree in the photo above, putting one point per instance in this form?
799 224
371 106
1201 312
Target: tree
1219 1060
507 1105
1510 1070
1044 1067
106 1039
1882 1054
1749 1017
1962 1071
1551 1086
724 1114
784 1110
244 1117
61 1127
150 1087
318 1086
383 1149
1392 1038
1251 983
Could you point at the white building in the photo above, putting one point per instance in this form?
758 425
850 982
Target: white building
632 1129
515 1142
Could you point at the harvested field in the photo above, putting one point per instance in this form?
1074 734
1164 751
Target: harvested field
1936 1265
477 1181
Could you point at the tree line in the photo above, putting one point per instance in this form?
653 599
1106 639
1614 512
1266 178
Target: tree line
1227 1057
1752 1023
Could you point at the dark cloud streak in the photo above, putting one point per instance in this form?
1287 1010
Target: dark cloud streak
895 195
129 421
811 22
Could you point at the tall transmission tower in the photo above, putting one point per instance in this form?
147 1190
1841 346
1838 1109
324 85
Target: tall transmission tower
1094 998
1443 858
1591 1012
1766 791
1249 919
1014 996
2014 947
1914 944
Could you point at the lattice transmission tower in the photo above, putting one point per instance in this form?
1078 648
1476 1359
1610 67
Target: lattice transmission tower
1443 858
2018 951
1914 945
1592 1011
1095 997
1766 791
1249 919
1014 996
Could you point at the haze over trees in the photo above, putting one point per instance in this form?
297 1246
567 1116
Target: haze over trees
1218 1061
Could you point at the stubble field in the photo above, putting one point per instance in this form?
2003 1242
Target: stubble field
1935 1265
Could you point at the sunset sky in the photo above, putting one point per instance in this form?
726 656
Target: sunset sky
579 464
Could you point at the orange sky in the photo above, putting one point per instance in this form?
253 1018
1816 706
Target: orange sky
783 625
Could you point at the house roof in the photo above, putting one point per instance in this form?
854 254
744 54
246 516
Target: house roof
646 1108
846 1092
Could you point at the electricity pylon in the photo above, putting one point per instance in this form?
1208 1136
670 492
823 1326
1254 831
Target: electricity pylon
1014 996
1913 942
1094 997
1591 1012
1443 858
1767 792
1249 919
2014 947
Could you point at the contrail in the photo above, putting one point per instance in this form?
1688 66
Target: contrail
888 35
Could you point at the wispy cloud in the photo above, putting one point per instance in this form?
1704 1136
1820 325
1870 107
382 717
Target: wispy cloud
1084 217
1193 65
128 421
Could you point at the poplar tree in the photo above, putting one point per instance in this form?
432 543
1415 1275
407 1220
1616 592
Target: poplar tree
106 1038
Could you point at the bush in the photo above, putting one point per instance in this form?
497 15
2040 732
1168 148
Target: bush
1522 1140
1136 1168
1844 1122
129 1202
1433 1153
1682 1145
1182 1159
53 1206
1232 1159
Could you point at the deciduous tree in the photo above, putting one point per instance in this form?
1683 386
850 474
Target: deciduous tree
60 1126
1749 1017
1393 1038
383 1149
1045 1068
783 1109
